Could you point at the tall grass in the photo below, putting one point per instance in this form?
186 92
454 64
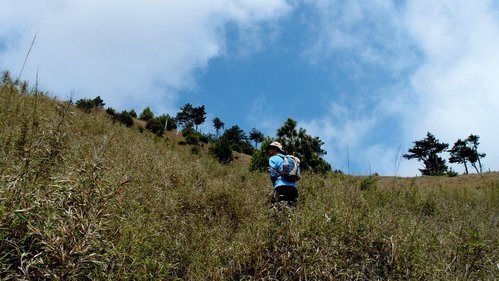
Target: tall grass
84 198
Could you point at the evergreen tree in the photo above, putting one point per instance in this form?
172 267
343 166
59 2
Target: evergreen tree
98 102
427 150
306 147
198 116
146 114
296 142
125 118
167 122
85 104
460 153
260 160
256 136
287 135
238 140
111 111
190 116
472 140
218 124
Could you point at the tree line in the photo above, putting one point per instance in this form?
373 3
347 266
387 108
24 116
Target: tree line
225 141
464 151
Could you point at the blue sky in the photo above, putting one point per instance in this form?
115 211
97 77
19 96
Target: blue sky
367 77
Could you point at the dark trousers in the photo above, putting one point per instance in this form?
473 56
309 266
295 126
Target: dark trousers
288 194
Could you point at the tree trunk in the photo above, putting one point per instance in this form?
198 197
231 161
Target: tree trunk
479 163
474 166
465 167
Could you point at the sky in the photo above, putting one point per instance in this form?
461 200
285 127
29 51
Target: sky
367 77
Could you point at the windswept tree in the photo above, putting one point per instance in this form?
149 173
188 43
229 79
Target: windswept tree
98 102
427 150
473 141
460 153
256 136
218 124
466 151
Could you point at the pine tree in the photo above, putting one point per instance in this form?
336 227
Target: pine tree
256 136
218 124
474 155
146 114
460 153
427 150
198 116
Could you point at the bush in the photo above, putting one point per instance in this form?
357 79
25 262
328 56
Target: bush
85 104
259 161
111 111
222 151
451 173
88 104
192 139
195 149
154 127
369 183
125 118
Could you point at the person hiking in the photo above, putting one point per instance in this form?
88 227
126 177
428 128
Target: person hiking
284 190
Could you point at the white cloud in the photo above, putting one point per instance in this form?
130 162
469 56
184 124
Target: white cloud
445 56
343 134
371 29
457 85
129 52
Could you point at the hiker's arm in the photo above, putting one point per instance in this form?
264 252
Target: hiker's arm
273 169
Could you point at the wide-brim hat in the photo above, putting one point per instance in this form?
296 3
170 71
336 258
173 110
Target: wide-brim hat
275 144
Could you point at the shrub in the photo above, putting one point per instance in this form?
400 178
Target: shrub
259 161
125 118
195 149
369 183
154 127
192 139
88 104
111 111
85 104
222 151
451 173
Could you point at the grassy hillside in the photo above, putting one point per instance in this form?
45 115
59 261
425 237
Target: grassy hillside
82 197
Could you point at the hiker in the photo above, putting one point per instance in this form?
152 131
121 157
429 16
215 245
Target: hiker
283 189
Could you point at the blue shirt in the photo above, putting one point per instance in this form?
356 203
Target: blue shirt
276 163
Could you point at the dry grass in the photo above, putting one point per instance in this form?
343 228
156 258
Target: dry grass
83 198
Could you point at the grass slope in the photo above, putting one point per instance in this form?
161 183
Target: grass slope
84 198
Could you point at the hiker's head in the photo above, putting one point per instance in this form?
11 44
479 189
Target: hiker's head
274 148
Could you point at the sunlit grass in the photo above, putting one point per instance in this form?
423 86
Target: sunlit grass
83 197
